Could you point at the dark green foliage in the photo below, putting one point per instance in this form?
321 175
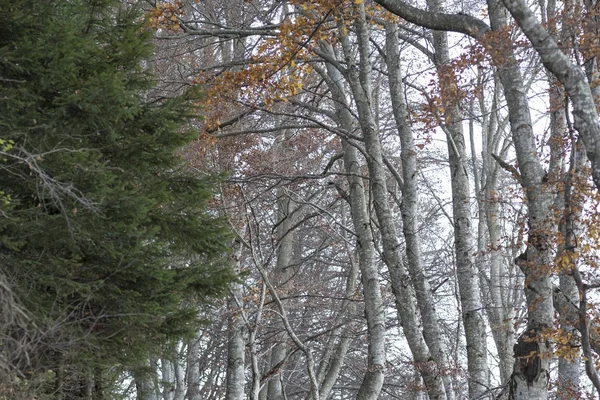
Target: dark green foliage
105 241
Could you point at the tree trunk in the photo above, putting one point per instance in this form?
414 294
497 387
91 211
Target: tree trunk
193 370
167 379
496 282
410 211
374 309
235 377
146 382
464 246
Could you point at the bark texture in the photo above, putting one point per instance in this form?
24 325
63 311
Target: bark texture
374 309
410 212
236 346
468 275
535 260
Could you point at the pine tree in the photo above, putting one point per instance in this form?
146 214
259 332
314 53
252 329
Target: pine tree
106 244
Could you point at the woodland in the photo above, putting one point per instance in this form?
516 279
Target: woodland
299 199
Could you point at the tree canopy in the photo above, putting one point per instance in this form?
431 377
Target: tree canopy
106 244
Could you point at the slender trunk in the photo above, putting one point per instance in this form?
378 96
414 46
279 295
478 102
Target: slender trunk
193 370
255 390
569 281
167 379
467 272
568 370
410 211
532 353
179 380
146 382
235 379
495 283
281 276
501 317
374 308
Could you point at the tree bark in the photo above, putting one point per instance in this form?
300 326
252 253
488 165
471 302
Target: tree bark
235 377
410 212
358 78
464 246
374 308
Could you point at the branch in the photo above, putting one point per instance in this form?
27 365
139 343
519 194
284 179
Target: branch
278 128
394 172
224 32
570 312
507 167
231 121
461 23
569 74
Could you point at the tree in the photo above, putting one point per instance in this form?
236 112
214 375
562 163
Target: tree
106 243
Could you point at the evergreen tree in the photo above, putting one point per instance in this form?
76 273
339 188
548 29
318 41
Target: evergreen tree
106 246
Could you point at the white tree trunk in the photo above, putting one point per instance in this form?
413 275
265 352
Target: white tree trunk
374 308
192 375
281 275
359 77
235 377
496 282
410 211
464 246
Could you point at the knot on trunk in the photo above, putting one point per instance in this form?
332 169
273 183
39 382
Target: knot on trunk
527 356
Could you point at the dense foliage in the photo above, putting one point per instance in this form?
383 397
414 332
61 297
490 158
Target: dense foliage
106 246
